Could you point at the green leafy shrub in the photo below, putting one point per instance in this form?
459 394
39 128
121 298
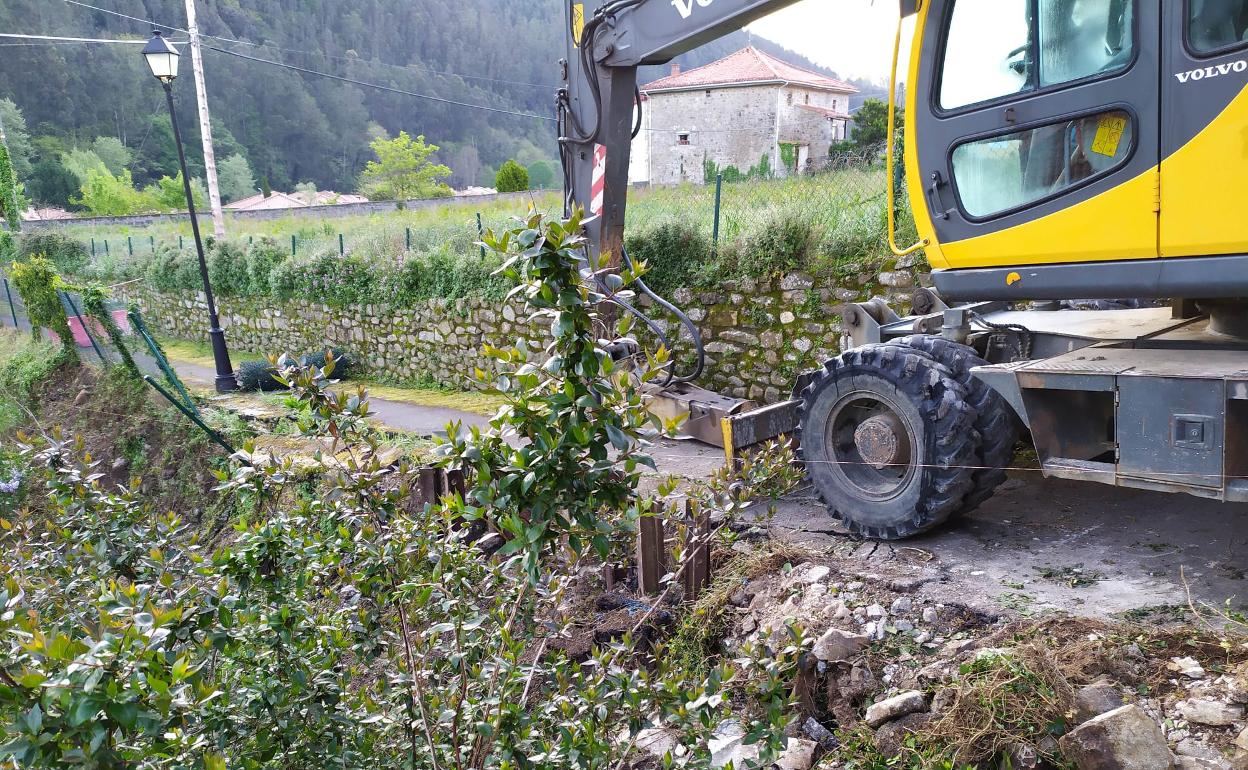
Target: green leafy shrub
328 278
263 256
442 274
787 241
172 271
511 177
673 251
39 285
345 364
8 247
258 376
340 626
68 254
228 269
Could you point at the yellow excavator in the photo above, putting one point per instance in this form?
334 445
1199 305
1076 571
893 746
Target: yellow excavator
1060 155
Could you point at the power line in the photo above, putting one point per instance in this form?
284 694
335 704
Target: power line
54 38
377 86
309 53
376 62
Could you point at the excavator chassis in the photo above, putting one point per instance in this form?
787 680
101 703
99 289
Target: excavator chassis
1153 398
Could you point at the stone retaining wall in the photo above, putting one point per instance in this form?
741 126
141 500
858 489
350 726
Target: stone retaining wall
758 334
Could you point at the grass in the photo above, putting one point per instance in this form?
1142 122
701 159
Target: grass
842 211
474 402
24 364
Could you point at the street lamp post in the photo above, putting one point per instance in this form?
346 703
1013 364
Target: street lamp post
162 59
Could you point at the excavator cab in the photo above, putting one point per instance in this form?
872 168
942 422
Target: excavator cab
1048 162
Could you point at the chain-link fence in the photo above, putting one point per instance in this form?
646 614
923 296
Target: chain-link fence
836 205
91 339
839 202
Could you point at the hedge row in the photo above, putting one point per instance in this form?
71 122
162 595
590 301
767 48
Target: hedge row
265 268
677 252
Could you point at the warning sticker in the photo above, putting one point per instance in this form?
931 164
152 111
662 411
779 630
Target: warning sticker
578 23
1109 131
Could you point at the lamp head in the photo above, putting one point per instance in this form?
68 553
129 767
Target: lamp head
162 58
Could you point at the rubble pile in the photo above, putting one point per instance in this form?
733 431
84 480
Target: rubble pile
1070 692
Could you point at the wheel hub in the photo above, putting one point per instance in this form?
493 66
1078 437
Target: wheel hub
879 439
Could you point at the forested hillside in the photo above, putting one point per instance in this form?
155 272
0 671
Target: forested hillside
289 126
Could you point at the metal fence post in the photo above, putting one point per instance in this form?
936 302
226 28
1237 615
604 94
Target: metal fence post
180 246
409 238
650 552
92 247
697 562
480 233
106 247
342 249
294 248
130 244
12 307
719 190
152 242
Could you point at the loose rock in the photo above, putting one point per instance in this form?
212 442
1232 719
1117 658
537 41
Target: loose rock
1209 712
892 708
1096 699
799 754
1122 739
818 733
837 645
890 737
1188 667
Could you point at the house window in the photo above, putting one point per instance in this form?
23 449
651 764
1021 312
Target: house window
834 104
682 137
790 97
708 93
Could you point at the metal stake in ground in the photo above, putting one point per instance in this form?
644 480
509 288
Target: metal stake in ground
163 61
12 307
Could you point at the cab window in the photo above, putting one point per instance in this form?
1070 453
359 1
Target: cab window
1002 173
997 48
1216 25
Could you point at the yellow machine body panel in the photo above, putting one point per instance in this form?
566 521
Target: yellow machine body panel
1203 202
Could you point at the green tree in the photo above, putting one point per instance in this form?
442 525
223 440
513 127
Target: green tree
403 170
511 177
82 162
542 175
10 205
871 124
13 126
169 194
236 178
51 184
112 153
105 195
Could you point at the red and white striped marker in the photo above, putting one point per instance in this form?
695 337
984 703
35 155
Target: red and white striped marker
599 181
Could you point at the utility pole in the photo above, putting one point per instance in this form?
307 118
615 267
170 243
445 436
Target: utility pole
205 123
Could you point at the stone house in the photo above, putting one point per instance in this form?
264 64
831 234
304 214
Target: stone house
735 112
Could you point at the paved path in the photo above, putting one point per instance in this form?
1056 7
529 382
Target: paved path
684 459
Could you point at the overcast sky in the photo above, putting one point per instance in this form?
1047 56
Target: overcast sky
853 37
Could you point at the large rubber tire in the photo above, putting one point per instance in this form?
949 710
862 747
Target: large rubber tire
919 397
995 420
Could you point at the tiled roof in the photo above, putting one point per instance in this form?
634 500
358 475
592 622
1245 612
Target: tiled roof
827 112
749 65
